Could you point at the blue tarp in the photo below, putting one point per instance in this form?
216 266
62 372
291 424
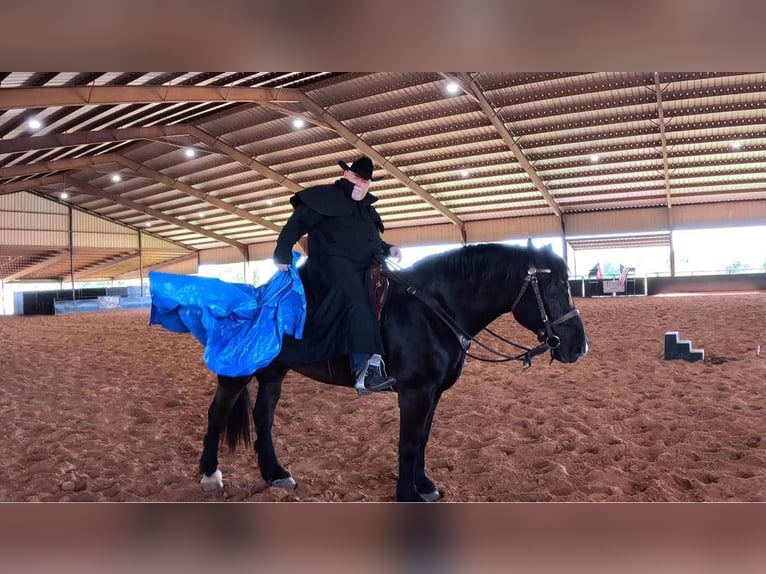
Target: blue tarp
241 326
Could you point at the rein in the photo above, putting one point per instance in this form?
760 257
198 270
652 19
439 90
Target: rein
549 342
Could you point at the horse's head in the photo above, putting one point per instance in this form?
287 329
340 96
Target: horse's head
544 306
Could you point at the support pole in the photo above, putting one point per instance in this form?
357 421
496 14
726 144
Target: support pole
672 256
141 262
71 248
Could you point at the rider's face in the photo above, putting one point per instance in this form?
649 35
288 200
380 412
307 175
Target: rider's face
361 185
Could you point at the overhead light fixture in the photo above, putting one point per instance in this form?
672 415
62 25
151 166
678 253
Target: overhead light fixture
64 195
594 158
298 123
34 124
269 202
464 173
116 178
190 152
453 88
201 215
736 144
148 224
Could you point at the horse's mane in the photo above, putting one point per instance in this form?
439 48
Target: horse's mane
485 259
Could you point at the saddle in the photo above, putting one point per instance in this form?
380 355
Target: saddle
379 283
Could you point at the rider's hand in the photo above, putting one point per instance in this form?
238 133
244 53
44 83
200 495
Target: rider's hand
395 252
282 267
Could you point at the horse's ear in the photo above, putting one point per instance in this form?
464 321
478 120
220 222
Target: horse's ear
548 247
529 243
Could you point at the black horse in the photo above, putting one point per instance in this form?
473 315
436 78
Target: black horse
432 311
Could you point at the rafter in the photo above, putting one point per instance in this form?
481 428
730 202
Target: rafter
20 98
470 87
232 152
51 141
90 161
189 190
160 265
664 141
98 192
102 265
356 141
36 267
57 165
28 184
104 136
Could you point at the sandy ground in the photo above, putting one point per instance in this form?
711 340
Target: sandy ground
100 407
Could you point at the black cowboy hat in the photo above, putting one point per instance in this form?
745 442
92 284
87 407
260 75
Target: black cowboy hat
361 167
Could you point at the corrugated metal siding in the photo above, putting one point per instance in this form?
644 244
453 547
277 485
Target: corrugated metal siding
29 203
423 235
105 240
616 221
151 242
97 233
513 228
19 220
220 256
37 238
260 251
84 222
720 214
187 267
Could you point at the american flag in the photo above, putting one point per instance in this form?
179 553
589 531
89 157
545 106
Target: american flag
623 275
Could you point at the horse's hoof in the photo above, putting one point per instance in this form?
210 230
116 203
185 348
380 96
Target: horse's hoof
212 482
286 482
430 496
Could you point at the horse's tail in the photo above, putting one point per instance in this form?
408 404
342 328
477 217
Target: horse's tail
238 422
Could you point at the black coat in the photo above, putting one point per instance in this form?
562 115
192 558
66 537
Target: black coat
343 241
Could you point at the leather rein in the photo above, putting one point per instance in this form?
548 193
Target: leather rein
548 339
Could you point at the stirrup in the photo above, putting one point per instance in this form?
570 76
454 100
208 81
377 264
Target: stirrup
374 369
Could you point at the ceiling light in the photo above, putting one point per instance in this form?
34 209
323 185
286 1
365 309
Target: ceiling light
453 88
594 158
64 195
736 144
148 224
298 123
269 202
190 152
464 173
201 215
116 178
34 124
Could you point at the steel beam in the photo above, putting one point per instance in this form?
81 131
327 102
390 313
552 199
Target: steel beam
89 189
469 87
44 97
356 141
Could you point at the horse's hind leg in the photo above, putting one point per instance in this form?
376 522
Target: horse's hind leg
269 391
226 394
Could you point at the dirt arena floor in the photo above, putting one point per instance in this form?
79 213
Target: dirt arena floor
101 407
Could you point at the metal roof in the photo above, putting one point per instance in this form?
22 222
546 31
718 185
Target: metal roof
502 145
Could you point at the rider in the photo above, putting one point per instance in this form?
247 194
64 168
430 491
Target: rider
343 241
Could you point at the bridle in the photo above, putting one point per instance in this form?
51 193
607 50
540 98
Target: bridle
549 341
547 336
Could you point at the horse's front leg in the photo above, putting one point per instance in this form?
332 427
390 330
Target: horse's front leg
423 484
226 394
269 391
414 408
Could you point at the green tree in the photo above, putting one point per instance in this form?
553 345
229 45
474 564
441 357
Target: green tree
737 267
